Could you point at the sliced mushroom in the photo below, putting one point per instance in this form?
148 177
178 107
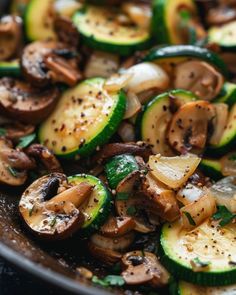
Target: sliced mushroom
13 164
222 112
198 77
51 215
44 62
113 149
45 156
143 267
163 198
106 256
10 36
66 31
221 15
230 60
30 105
117 226
189 127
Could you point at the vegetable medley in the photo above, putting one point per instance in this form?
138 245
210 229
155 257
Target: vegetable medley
139 96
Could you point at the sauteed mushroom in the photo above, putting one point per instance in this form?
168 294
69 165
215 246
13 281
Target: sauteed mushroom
117 226
20 100
13 164
143 267
50 214
189 127
49 61
200 78
10 36
221 15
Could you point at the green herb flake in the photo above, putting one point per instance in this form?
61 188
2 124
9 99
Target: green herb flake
12 171
26 140
185 15
31 211
53 222
224 214
3 131
232 157
122 196
190 219
200 263
131 210
110 280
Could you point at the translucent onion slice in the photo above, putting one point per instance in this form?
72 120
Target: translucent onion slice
147 76
117 81
190 193
173 171
195 213
133 105
126 132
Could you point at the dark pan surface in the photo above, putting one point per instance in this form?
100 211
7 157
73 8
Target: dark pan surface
52 263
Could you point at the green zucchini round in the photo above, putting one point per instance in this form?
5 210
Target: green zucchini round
211 168
10 69
227 94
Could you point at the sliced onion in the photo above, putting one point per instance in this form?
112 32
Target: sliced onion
195 213
190 193
224 192
101 64
126 132
117 81
139 13
221 122
228 164
133 105
146 76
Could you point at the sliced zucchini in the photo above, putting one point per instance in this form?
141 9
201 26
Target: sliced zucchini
177 53
185 288
228 138
10 68
38 20
204 255
166 20
211 168
156 117
85 117
224 36
101 29
118 167
97 209
18 7
227 94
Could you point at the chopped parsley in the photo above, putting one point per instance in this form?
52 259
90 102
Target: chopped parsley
3 131
190 219
199 263
110 280
12 171
224 215
26 140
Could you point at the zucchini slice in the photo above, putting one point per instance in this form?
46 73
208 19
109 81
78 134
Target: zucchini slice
38 20
227 94
224 36
10 68
118 167
228 138
201 256
185 288
97 208
166 20
18 7
178 53
100 29
85 117
156 117
211 168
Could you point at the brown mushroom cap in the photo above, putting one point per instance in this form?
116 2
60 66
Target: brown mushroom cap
221 15
49 214
44 62
19 100
117 226
141 268
200 78
10 36
66 31
10 160
106 256
189 126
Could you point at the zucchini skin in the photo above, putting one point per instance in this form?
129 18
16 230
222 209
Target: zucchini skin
118 167
187 274
162 52
211 168
227 94
105 207
10 70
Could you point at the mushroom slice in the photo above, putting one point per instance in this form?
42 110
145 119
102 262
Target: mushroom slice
117 226
10 36
106 256
49 214
163 198
13 164
222 113
143 267
200 78
221 15
46 61
190 126
43 154
30 105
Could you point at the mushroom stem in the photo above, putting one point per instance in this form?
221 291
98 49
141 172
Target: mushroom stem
75 195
